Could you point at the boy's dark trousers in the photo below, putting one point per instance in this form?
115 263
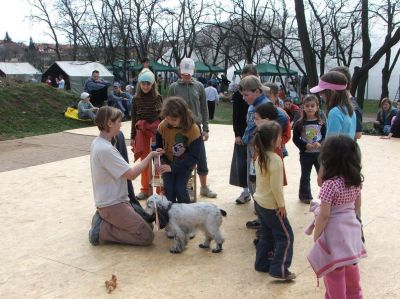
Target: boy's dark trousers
274 258
307 161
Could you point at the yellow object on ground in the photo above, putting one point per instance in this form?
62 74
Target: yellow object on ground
73 113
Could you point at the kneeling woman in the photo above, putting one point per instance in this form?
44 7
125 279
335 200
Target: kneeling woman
115 220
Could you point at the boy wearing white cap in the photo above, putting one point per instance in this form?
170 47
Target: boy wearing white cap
85 109
192 91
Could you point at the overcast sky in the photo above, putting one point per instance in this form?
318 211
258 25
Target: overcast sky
14 18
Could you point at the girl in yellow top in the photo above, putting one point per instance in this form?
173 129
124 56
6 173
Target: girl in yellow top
274 250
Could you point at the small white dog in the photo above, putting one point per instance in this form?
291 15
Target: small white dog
183 219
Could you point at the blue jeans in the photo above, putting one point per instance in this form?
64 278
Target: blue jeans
307 161
274 251
175 186
202 168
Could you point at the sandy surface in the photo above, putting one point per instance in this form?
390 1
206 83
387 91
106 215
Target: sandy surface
47 208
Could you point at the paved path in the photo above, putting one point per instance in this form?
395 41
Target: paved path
36 150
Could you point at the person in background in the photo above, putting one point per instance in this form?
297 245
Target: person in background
121 100
358 111
146 110
274 250
60 82
192 91
341 117
160 81
273 94
384 117
85 109
97 88
238 173
212 99
395 125
308 133
224 83
292 110
48 81
146 65
281 93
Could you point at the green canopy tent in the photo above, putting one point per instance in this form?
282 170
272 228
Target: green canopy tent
157 67
269 69
201 67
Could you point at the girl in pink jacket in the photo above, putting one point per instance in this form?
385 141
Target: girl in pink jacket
337 235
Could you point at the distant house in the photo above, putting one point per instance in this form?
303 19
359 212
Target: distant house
19 70
76 73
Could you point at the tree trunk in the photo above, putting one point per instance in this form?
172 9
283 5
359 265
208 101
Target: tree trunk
308 54
366 45
357 76
386 76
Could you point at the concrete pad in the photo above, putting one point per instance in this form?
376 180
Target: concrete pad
47 209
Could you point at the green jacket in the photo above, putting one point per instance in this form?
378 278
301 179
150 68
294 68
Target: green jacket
194 95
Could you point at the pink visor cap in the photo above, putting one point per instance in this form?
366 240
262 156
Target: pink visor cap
323 85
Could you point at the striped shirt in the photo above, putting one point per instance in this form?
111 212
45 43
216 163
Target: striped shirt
146 108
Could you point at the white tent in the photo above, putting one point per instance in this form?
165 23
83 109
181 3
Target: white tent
19 70
76 73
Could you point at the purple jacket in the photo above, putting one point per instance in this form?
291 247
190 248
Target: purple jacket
340 243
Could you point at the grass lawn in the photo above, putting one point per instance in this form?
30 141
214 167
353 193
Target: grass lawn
34 109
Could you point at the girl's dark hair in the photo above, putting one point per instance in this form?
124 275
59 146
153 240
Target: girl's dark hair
267 110
341 156
300 122
177 107
337 98
105 114
153 91
264 140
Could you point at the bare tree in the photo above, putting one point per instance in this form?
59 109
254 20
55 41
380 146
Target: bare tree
41 13
310 61
359 77
180 25
387 13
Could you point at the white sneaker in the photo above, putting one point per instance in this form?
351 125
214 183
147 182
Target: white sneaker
206 191
243 198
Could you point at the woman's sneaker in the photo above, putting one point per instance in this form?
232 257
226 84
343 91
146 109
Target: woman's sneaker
243 198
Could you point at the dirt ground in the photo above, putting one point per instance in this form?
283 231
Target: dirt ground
47 205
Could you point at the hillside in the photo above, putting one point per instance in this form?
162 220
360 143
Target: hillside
33 109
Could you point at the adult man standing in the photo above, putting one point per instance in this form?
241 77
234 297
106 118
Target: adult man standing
120 100
212 97
97 88
192 91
